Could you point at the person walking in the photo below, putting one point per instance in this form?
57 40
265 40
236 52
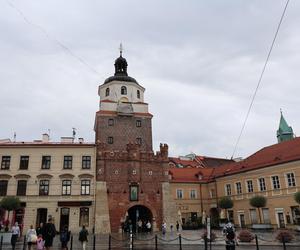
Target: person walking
229 233
164 228
83 237
39 229
177 226
64 238
49 232
148 226
31 237
15 235
40 243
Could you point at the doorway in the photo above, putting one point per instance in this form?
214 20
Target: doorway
64 217
136 214
281 223
41 216
242 221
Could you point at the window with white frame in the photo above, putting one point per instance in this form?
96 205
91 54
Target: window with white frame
253 215
276 182
250 186
193 194
238 188
291 179
66 187
266 215
262 184
179 193
228 189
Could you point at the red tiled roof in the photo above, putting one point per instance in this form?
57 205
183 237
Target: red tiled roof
200 162
268 156
190 174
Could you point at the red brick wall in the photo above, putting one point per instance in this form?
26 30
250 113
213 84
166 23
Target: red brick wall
124 131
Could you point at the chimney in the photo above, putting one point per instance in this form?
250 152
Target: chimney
80 140
45 138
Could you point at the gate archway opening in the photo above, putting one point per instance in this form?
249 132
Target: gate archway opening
138 215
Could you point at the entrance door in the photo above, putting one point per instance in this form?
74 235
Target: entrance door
41 216
281 220
136 214
64 217
242 220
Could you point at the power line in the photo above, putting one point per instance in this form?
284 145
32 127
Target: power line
260 78
52 38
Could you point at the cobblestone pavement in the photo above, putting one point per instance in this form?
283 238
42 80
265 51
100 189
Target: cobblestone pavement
191 240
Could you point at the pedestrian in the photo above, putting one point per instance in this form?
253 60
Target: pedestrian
140 225
15 235
39 229
49 232
40 243
164 228
177 226
83 237
64 238
148 226
31 237
229 233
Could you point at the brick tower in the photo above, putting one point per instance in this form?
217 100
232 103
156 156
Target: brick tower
132 181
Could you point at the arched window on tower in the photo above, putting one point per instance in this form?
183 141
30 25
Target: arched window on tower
138 94
107 92
123 90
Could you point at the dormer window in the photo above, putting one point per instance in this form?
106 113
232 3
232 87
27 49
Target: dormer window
138 94
123 90
107 92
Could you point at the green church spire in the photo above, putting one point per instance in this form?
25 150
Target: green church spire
284 132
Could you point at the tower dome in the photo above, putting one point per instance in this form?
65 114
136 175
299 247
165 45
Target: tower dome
121 66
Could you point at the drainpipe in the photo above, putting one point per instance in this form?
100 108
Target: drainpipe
201 200
217 198
95 184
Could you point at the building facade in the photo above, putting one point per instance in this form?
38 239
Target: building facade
51 179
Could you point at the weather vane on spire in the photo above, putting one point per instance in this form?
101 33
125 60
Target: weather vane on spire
121 49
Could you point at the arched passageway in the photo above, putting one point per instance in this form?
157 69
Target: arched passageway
138 216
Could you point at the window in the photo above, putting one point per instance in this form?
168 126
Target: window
66 187
253 216
3 187
134 191
84 217
138 94
275 182
238 188
5 163
266 215
228 189
86 162
193 194
250 186
107 92
68 162
24 160
139 141
46 161
262 184
123 90
110 140
291 180
22 186
85 187
138 123
44 187
179 193
111 122
212 193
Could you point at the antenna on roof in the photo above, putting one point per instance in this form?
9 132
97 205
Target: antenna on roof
15 136
49 133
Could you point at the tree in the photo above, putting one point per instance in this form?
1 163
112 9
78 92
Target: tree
297 197
10 203
225 203
258 202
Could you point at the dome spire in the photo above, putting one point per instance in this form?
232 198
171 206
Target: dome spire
121 49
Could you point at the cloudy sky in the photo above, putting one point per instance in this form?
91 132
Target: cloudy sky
198 60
